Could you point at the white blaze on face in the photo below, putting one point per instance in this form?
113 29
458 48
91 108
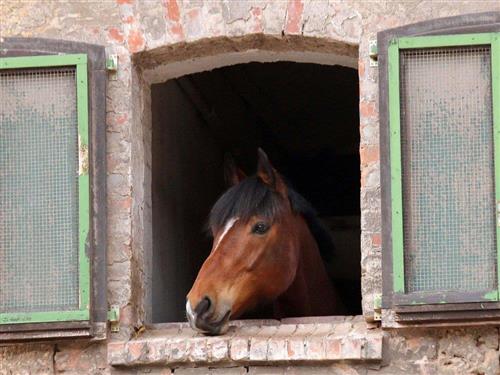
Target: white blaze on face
227 227
190 314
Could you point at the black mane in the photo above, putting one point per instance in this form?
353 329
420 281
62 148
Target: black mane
251 197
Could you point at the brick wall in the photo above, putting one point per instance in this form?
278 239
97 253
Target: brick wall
148 34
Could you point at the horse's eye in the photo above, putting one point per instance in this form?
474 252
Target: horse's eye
260 228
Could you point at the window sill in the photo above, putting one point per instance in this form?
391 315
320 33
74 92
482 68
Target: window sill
52 331
309 340
391 319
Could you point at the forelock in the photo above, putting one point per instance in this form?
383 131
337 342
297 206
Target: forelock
251 197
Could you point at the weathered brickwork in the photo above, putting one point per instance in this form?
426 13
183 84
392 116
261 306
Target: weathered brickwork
259 343
149 34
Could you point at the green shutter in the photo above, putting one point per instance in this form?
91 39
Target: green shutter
444 141
44 189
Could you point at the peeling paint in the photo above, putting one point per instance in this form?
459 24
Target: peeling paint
83 158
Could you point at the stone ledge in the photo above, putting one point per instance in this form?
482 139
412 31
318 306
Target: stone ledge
256 342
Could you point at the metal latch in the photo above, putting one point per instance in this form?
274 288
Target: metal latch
373 53
112 63
114 319
377 307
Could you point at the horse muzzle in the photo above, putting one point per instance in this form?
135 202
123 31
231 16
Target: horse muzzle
204 319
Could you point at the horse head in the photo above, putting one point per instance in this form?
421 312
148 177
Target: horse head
255 250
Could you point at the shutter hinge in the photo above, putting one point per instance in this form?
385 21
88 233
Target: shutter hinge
373 52
498 213
377 307
112 63
114 319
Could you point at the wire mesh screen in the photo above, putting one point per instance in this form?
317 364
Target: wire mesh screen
447 169
38 190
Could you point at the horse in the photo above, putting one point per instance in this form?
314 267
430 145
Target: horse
265 251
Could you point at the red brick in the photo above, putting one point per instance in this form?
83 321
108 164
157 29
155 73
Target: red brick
116 35
257 20
294 16
315 347
124 203
114 121
135 41
257 11
173 16
361 68
333 348
135 350
367 109
376 240
177 30
369 154
193 14
173 13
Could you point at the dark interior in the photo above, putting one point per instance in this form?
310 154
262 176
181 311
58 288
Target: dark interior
305 116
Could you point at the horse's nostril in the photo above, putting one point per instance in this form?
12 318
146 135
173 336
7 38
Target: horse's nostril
203 306
209 302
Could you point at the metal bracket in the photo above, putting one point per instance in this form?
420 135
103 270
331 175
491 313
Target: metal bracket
373 52
377 307
112 63
114 319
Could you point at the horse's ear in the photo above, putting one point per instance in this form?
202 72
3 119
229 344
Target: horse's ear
232 173
269 175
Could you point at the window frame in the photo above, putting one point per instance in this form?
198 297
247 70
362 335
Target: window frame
475 29
91 317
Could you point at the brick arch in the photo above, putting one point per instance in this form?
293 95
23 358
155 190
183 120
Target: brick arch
175 60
